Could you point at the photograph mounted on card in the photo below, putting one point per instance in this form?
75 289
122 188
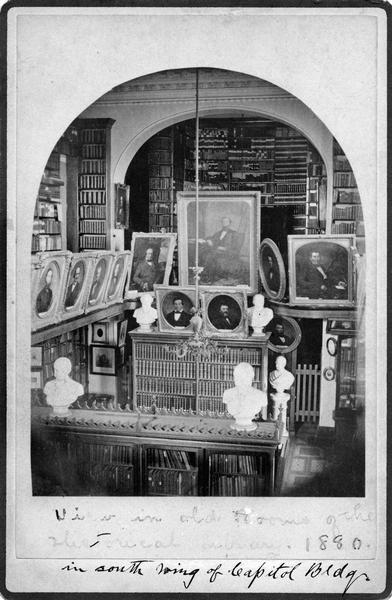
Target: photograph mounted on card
121 206
321 270
77 285
225 313
100 332
49 273
272 270
98 281
116 279
176 307
228 239
151 260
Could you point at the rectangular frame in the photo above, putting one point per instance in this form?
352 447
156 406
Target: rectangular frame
46 295
139 245
107 353
73 304
36 379
342 326
122 328
96 293
244 234
304 274
100 332
115 289
36 356
121 209
212 318
165 296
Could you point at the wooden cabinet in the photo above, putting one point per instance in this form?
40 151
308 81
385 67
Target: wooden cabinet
163 379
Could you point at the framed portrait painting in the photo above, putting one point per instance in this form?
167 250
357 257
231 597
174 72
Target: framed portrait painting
76 287
227 238
224 313
321 270
272 270
285 334
100 272
175 308
49 273
103 360
151 260
116 278
121 206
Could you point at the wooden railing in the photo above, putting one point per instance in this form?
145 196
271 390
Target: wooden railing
307 393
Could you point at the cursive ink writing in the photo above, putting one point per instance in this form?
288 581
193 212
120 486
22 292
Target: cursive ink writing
279 572
133 568
196 517
246 516
163 569
318 570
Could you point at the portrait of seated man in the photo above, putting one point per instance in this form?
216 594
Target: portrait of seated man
146 272
224 312
322 271
219 255
279 337
75 287
98 279
178 317
45 296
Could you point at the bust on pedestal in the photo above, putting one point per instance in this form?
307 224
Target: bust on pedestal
281 380
243 401
62 391
145 315
259 316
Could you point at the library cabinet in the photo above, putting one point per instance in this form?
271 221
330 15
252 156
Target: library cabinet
164 380
92 453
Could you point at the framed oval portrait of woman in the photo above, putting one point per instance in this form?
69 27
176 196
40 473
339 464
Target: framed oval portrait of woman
272 270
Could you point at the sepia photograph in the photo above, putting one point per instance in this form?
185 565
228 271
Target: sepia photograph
151 260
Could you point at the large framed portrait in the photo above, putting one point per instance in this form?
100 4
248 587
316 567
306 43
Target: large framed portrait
272 270
121 208
228 238
77 285
285 334
175 308
49 273
321 270
225 313
98 281
116 279
151 260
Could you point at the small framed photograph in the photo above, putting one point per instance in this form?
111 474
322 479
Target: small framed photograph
342 326
116 278
36 356
120 356
272 270
151 260
175 307
225 313
98 281
36 380
49 274
285 334
228 239
122 332
103 360
121 206
321 270
100 333
76 287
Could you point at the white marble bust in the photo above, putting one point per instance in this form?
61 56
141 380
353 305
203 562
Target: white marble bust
62 391
145 315
243 401
259 315
280 378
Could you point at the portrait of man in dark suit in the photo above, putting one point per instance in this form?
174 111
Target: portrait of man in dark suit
219 254
178 317
279 336
224 313
75 287
322 271
98 279
45 296
116 277
146 272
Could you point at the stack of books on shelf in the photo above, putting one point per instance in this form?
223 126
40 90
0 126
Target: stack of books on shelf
235 475
171 472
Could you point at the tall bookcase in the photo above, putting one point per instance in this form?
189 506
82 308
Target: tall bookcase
94 184
49 226
193 384
161 182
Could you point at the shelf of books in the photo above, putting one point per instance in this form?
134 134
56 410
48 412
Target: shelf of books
170 472
236 474
161 183
94 184
49 221
165 380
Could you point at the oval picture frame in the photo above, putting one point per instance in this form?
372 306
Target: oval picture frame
297 335
272 271
329 373
332 346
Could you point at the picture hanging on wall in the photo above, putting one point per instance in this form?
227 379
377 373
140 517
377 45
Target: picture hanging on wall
151 260
121 206
285 334
103 360
272 270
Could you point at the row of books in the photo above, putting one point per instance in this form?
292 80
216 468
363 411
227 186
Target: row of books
92 197
344 179
93 151
96 182
168 368
239 485
171 483
92 242
92 211
245 464
159 170
212 404
181 386
47 226
92 166
159 196
348 368
160 142
213 388
216 371
43 243
170 459
93 136
251 165
105 453
115 478
348 212
251 177
160 183
150 399
46 191
216 133
347 196
159 220
159 157
234 356
160 208
94 226
290 188
341 163
344 228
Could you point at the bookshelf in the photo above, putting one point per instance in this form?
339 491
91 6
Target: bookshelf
165 382
49 230
161 182
170 471
239 474
94 184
